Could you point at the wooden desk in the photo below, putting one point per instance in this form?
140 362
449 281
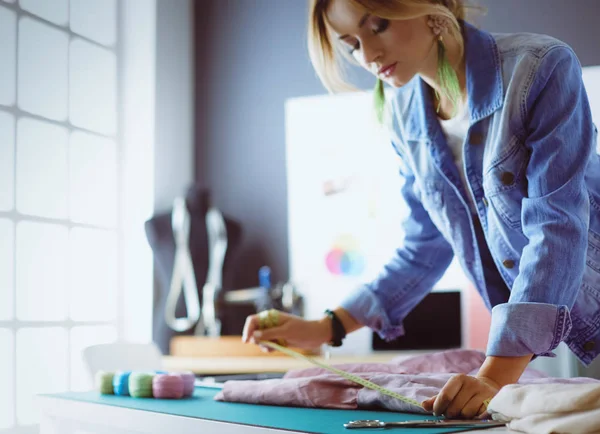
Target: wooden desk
257 364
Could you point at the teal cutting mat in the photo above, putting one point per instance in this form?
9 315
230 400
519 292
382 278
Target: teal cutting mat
202 406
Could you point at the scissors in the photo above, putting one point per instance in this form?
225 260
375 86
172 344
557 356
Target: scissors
432 423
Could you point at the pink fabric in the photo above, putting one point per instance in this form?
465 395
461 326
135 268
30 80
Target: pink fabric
419 378
453 361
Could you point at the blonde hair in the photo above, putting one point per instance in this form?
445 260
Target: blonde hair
326 56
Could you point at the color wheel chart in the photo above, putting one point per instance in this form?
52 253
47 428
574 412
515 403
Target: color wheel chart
345 257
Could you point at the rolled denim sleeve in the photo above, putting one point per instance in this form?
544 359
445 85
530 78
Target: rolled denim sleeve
559 134
409 276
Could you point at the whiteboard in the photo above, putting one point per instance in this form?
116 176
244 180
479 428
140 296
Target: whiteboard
591 80
344 202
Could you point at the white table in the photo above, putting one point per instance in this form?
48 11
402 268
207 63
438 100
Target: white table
68 416
60 416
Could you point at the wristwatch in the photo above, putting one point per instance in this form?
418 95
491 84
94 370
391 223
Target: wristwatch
337 329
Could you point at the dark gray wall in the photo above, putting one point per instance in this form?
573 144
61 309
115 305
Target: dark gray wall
252 56
174 79
572 21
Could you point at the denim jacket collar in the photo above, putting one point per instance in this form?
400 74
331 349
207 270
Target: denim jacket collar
485 90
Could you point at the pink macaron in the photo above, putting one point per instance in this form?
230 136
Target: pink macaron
188 382
167 386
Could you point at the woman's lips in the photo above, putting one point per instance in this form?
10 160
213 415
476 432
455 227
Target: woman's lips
388 70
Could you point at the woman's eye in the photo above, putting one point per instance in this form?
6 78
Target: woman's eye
381 25
351 46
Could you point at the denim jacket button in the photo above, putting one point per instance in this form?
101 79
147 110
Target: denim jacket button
508 263
507 178
589 346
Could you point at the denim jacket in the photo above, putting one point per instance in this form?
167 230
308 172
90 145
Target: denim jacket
534 176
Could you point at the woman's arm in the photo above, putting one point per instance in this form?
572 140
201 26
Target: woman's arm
504 370
350 324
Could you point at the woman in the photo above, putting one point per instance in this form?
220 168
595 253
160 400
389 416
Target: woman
497 150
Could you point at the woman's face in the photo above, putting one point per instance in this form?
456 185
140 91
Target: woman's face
392 50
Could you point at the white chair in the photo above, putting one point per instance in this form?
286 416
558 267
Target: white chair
122 356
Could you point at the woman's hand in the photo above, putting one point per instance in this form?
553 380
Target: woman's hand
296 332
463 397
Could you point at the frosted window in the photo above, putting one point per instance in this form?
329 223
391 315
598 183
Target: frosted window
7 161
93 87
43 69
7 401
93 283
82 337
41 271
95 20
8 55
42 168
42 362
93 181
7 263
56 11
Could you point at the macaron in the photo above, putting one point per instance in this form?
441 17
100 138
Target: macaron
167 386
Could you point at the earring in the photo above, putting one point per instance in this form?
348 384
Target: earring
446 75
379 100
439 24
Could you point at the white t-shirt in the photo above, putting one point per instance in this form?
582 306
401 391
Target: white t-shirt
456 130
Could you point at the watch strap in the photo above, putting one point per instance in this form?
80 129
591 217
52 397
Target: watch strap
337 329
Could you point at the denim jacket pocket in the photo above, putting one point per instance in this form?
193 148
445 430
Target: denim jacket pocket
505 185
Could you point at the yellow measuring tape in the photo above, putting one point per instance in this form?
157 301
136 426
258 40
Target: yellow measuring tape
270 318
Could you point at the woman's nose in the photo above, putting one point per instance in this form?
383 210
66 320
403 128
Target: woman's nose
371 54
